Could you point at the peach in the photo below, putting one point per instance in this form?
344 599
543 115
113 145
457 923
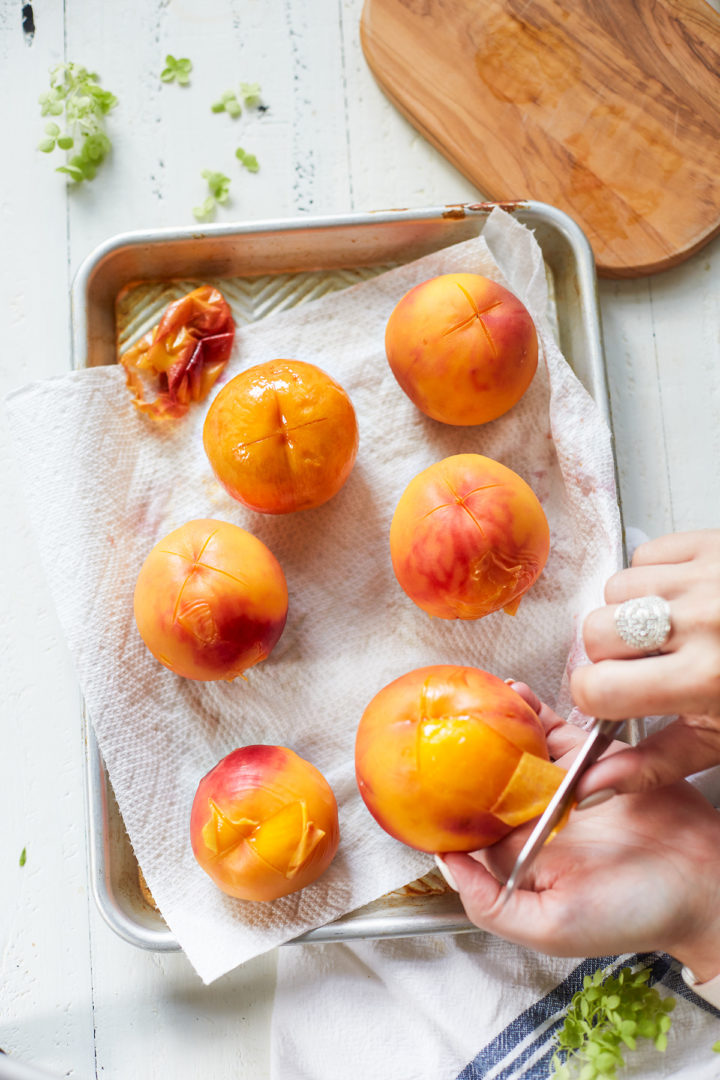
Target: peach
451 759
264 823
463 348
468 537
281 436
210 600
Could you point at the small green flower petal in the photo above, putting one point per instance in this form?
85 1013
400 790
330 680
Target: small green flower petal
248 160
73 172
205 210
250 93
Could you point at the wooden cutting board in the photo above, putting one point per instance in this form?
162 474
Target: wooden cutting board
608 109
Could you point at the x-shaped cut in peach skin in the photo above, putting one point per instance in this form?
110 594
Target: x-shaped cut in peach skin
236 608
223 833
477 313
282 431
281 436
460 500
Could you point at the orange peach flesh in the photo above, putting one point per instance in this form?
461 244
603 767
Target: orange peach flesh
451 759
468 537
210 600
264 823
463 348
281 436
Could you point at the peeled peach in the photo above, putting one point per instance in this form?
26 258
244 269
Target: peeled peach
264 823
468 537
451 759
210 600
463 348
281 436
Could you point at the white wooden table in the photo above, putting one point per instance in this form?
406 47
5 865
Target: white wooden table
73 997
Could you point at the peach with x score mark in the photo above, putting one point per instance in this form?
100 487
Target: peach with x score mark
463 348
281 436
468 537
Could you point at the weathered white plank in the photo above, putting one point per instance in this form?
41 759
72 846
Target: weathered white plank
685 305
154 1019
45 993
635 395
391 164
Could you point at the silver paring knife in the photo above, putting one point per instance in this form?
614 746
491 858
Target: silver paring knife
601 735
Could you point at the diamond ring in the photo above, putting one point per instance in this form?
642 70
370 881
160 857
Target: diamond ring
644 622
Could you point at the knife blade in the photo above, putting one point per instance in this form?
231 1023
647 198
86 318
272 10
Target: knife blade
601 735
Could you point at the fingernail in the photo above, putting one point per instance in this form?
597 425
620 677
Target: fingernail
509 682
596 798
445 871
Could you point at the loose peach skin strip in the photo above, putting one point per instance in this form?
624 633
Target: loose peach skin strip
528 791
182 357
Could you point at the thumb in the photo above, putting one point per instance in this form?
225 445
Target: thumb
482 895
686 746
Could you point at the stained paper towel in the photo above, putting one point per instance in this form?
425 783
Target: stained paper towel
104 484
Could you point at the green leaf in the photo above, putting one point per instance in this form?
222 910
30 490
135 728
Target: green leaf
233 108
607 1062
95 148
716 1047
23 857
218 107
66 142
46 145
52 128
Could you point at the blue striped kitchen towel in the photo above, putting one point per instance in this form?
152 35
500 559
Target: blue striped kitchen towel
458 1007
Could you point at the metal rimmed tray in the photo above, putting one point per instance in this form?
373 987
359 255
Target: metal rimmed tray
261 267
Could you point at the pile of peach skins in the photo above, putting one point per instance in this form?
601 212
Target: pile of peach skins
447 757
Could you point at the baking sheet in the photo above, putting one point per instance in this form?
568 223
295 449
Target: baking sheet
263 267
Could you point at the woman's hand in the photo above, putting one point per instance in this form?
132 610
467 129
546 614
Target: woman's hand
684 568
641 872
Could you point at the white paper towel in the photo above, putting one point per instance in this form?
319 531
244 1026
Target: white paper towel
103 484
